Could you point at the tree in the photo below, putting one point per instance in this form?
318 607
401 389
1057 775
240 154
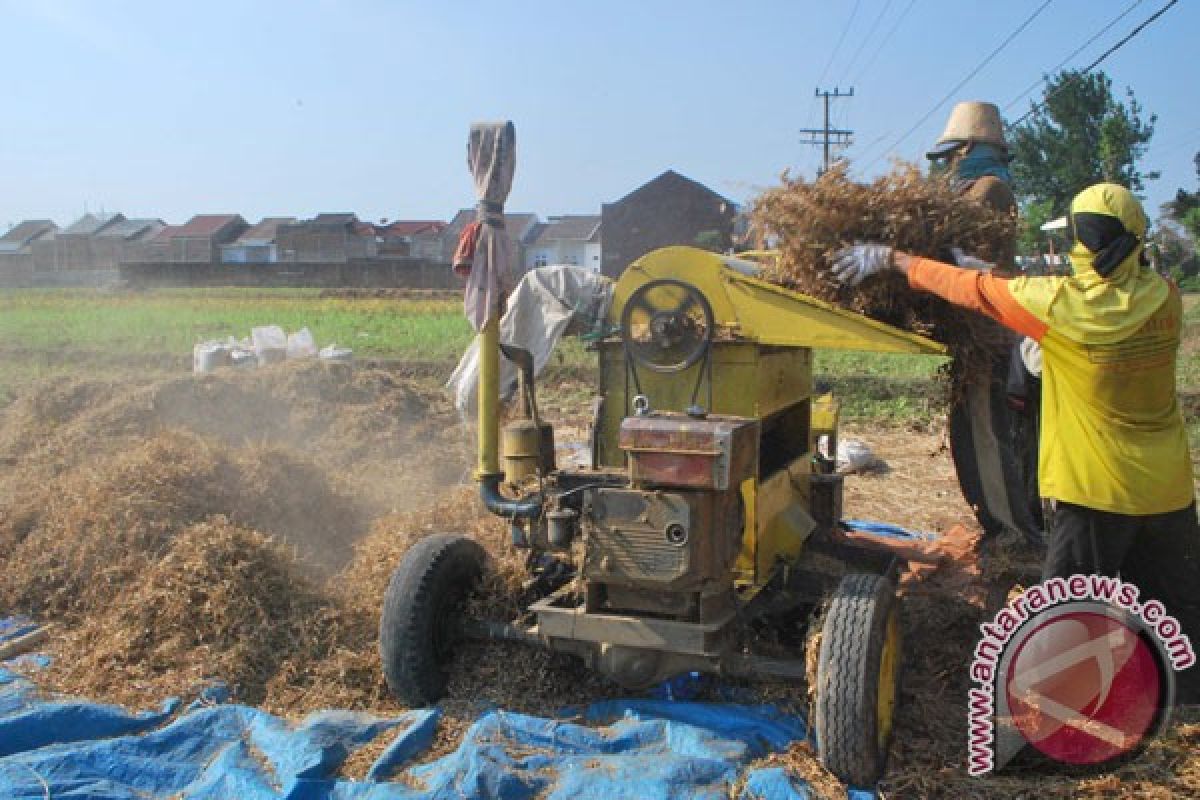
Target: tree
1185 201
1184 210
1191 223
1174 252
1077 136
1034 215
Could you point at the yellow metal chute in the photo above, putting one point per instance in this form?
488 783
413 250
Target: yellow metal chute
749 308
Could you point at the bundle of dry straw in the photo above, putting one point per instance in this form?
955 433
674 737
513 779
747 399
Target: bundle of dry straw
905 209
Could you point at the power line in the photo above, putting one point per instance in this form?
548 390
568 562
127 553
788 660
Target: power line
840 116
871 144
1008 40
1103 56
827 131
841 39
1189 139
886 39
871 61
870 32
814 109
1076 52
828 135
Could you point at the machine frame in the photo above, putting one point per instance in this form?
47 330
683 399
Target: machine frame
708 509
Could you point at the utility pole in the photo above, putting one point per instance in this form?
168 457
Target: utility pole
827 136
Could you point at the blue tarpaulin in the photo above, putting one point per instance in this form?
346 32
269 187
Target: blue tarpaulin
51 747
886 529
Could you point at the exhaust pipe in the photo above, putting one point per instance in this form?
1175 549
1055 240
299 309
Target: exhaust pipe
529 507
488 470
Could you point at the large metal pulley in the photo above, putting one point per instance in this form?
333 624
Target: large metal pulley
667 325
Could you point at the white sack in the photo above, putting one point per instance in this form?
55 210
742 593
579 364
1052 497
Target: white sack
270 343
855 455
301 344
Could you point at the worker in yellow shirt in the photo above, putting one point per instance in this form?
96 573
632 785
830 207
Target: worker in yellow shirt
1114 461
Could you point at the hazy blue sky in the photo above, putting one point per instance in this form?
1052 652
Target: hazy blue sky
168 108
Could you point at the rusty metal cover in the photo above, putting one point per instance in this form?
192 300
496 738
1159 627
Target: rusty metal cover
677 450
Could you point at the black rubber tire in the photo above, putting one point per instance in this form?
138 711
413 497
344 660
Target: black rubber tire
425 593
846 718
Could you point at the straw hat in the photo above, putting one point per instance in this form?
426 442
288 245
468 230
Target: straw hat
971 121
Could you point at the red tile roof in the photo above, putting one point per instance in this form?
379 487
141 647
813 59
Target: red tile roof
199 226
28 230
265 230
411 227
514 222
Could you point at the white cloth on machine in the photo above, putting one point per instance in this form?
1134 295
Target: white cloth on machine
547 303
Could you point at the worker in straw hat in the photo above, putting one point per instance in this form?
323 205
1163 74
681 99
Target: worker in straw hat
973 153
973 149
1114 458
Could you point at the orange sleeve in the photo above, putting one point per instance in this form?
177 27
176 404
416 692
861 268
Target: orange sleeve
978 291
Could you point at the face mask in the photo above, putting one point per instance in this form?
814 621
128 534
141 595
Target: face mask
1102 237
983 159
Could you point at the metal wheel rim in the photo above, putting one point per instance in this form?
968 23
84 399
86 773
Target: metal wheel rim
889 666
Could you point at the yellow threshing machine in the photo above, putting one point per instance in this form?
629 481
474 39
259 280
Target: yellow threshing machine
709 510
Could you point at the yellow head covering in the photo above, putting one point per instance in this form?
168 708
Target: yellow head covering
1089 307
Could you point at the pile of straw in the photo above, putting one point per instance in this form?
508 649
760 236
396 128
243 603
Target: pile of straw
222 603
136 515
95 530
925 216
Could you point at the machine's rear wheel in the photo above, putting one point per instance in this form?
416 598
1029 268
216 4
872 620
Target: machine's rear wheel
858 673
422 610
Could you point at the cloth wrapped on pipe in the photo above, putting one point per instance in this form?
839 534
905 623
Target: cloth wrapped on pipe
492 159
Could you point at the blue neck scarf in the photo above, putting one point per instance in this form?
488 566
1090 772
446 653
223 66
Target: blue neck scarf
983 159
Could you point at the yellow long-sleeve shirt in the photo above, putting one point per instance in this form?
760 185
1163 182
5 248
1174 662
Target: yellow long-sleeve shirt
1112 433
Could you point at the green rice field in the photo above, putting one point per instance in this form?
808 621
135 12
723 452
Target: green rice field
49 333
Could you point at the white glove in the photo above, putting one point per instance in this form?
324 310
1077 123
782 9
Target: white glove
852 265
1031 356
969 261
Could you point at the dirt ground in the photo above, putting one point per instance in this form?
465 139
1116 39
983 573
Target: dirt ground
242 527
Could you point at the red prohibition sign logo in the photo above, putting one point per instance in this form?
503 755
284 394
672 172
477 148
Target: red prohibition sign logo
1085 686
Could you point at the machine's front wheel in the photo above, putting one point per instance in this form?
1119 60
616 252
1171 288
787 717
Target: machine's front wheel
420 622
858 673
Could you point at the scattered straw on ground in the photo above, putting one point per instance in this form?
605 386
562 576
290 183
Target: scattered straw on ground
175 549
800 763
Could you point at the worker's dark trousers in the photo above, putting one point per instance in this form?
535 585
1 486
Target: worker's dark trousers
985 462
1158 553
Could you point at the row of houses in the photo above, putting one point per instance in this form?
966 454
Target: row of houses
670 209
